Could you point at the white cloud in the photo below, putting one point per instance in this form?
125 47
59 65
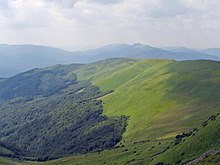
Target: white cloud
83 23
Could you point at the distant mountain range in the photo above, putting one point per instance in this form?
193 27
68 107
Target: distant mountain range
19 58
212 51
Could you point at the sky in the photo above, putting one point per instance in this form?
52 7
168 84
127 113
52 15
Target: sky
82 24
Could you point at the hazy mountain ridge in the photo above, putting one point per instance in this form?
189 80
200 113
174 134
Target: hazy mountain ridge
144 51
212 51
19 58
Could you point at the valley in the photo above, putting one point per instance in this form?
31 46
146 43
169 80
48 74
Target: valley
120 111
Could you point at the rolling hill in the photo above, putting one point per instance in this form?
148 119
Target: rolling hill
163 90
154 107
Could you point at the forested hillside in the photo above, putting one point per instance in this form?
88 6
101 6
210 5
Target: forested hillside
142 111
48 113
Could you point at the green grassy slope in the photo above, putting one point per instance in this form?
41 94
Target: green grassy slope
7 161
99 70
206 138
162 98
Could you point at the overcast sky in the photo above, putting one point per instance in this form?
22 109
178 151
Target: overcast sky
76 24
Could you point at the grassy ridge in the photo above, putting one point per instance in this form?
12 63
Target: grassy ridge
162 98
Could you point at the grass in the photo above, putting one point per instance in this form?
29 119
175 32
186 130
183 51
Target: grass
7 161
205 139
122 155
162 98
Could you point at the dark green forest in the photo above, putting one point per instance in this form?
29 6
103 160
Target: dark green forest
48 113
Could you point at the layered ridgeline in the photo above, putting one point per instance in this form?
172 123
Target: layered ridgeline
18 58
171 110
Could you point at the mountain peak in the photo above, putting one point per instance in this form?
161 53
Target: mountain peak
138 44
